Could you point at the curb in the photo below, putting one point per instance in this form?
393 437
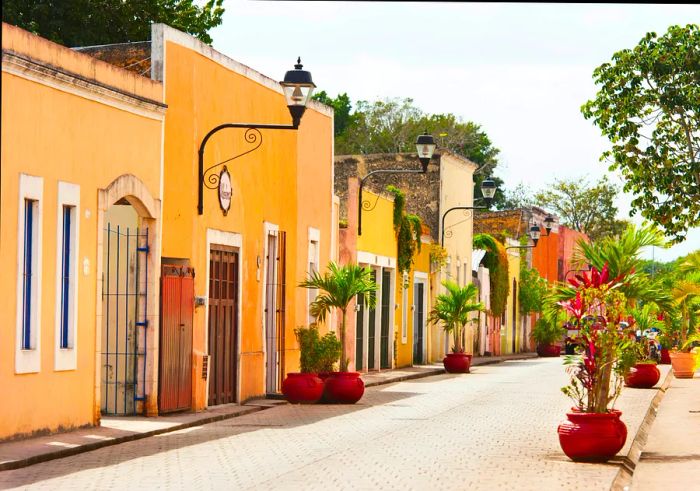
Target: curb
623 478
67 452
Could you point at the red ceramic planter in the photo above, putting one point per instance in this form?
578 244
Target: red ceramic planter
302 388
344 388
665 357
643 376
548 350
457 362
592 437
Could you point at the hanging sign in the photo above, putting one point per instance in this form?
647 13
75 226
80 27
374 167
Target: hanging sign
225 190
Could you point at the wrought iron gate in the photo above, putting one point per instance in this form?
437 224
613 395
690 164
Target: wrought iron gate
124 294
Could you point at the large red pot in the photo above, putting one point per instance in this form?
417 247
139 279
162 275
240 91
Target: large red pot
592 437
457 362
302 388
665 357
643 376
344 388
548 350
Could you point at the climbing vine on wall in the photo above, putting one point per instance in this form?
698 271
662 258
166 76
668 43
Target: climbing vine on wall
408 231
496 260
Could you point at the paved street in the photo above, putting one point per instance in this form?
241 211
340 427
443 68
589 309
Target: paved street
492 429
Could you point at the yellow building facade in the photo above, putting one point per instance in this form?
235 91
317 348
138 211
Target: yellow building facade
80 138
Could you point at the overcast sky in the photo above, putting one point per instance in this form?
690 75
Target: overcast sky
522 71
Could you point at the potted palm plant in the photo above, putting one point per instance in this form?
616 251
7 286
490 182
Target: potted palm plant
686 293
337 288
305 387
453 311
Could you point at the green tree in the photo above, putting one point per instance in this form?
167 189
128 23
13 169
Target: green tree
580 206
648 105
453 309
521 196
338 287
341 110
94 22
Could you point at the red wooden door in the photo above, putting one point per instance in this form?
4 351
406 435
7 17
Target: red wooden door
177 307
223 324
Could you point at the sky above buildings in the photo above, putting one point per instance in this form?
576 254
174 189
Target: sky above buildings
522 71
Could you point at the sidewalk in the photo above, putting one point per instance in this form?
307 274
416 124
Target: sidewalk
115 430
670 459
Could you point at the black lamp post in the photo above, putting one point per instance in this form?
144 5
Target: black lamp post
425 146
297 87
534 235
488 191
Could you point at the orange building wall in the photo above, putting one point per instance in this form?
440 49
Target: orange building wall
62 136
287 181
545 257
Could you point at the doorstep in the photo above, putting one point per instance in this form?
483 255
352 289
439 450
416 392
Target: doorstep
113 430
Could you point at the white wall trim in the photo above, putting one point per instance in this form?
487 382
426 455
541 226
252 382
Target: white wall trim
29 361
231 239
66 358
369 258
268 229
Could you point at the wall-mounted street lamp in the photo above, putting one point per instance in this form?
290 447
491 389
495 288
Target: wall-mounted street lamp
535 234
425 147
590 266
297 87
488 191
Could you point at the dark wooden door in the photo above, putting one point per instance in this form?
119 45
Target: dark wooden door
418 321
371 330
223 324
387 312
177 308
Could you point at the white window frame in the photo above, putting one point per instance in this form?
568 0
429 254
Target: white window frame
67 358
29 360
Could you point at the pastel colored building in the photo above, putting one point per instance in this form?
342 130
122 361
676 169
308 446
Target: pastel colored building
447 183
81 147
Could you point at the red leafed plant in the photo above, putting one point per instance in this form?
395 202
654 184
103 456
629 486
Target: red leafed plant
597 369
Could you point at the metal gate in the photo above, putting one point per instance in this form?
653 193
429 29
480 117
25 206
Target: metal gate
387 312
223 324
177 308
124 293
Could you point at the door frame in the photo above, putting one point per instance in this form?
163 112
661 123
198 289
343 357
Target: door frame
419 277
231 239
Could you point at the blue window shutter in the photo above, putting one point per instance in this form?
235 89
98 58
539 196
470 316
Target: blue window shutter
65 275
27 290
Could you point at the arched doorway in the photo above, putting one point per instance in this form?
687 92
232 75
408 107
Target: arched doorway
127 265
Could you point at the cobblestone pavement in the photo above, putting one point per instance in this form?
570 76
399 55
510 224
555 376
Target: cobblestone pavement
492 429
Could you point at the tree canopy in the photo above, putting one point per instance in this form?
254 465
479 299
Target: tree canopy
392 125
648 105
587 208
95 22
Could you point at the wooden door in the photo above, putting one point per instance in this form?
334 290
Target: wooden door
177 308
223 324
371 330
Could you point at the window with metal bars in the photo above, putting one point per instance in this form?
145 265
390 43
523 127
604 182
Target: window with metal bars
67 263
28 272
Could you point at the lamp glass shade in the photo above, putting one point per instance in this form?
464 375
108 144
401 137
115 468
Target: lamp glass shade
548 223
298 86
425 146
535 233
488 189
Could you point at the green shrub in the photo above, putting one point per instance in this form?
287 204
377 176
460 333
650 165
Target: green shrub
329 350
547 332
